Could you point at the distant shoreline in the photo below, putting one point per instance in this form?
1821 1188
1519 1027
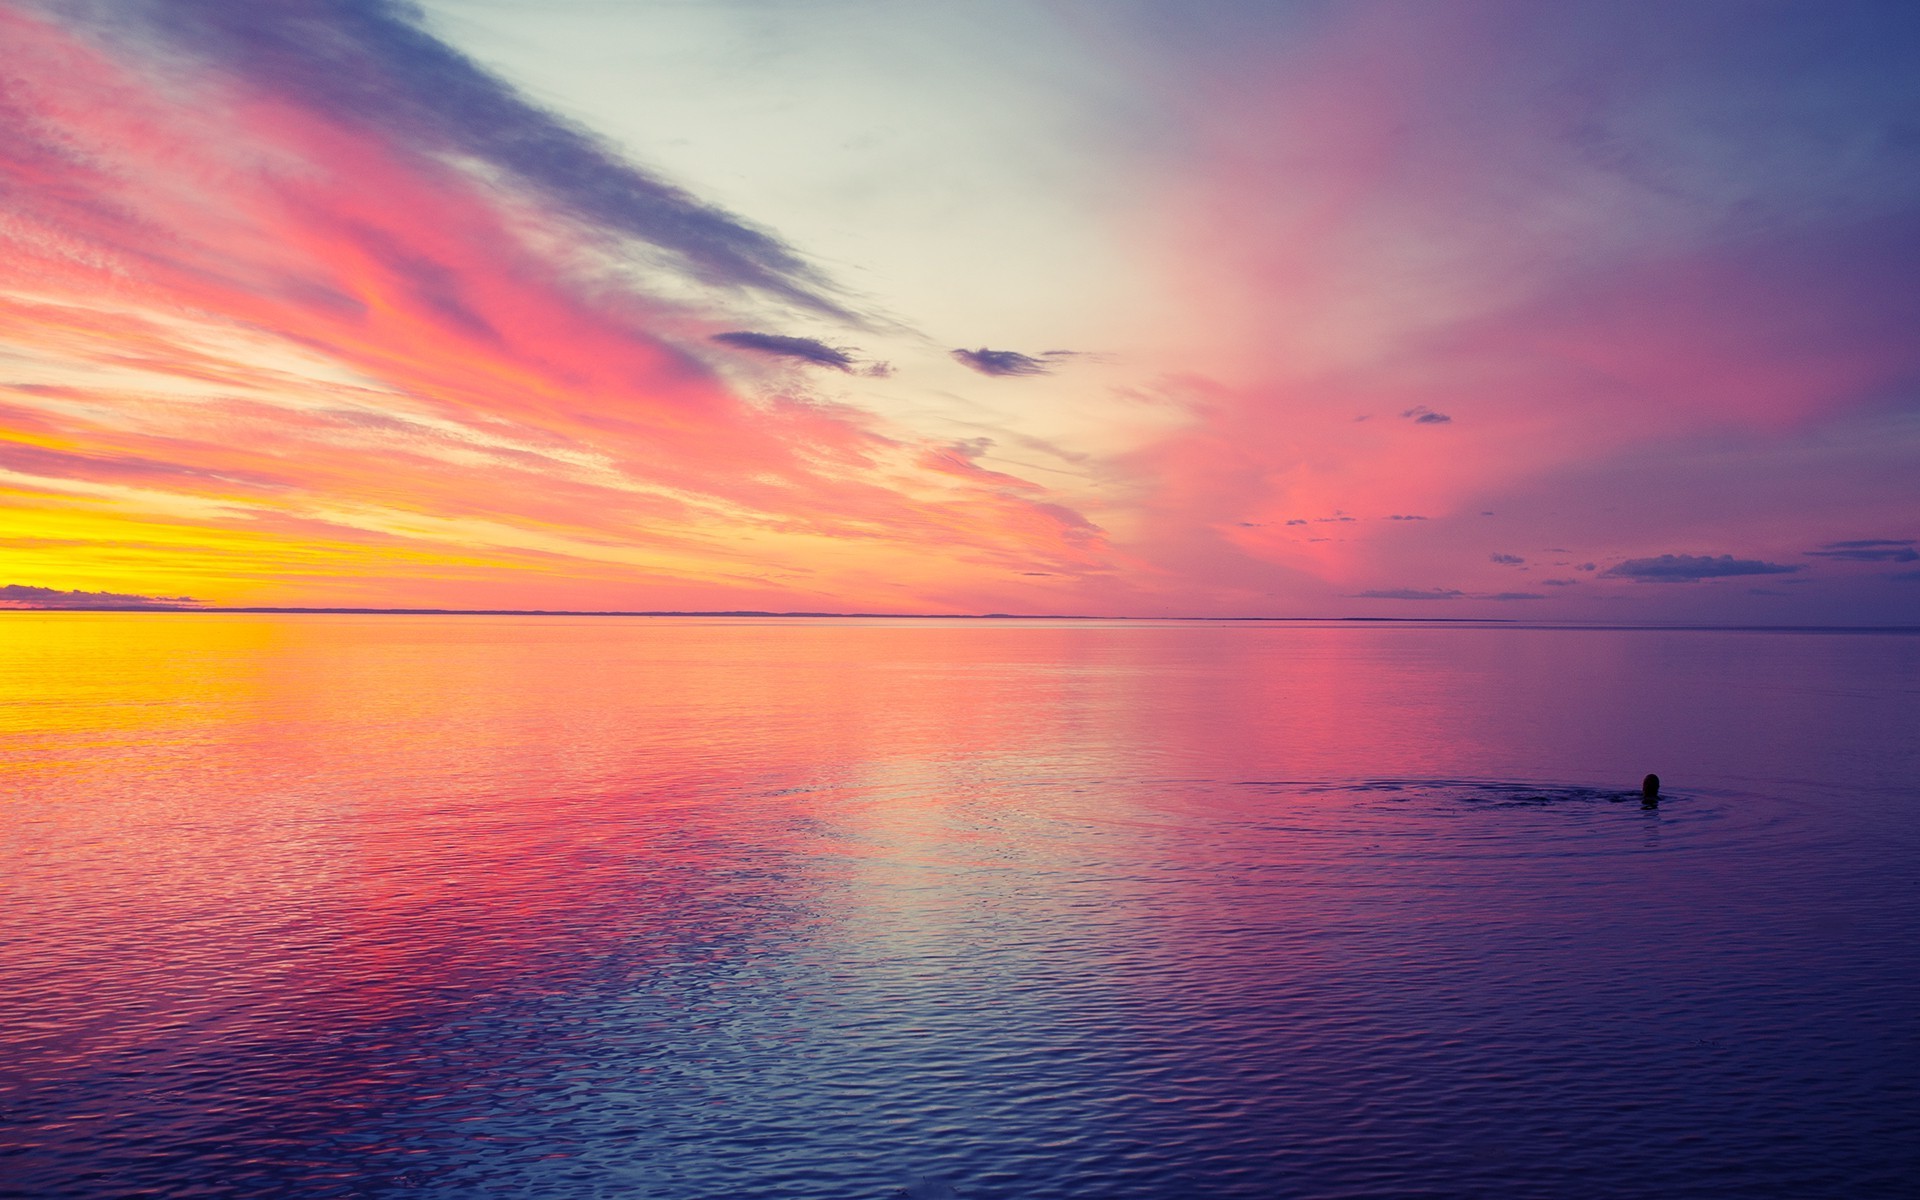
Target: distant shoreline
175 610
566 612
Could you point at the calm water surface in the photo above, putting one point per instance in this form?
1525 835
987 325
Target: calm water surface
385 906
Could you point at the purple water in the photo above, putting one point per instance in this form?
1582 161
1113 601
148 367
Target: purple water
443 906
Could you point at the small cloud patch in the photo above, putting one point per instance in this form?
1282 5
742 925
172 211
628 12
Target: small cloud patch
1010 362
1404 517
1506 560
1691 568
1420 414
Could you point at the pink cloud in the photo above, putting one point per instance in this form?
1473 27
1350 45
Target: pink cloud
203 231
1425 212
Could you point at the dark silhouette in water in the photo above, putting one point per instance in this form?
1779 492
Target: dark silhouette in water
1650 791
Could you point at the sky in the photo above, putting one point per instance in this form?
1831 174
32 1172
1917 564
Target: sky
1591 311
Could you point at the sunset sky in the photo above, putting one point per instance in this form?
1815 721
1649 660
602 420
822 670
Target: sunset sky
1586 311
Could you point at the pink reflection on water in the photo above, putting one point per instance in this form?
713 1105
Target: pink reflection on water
948 889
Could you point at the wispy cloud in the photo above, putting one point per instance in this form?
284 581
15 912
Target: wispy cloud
782 346
1890 550
1508 560
421 334
1420 414
22 595
369 65
1410 594
1691 568
1010 362
1443 594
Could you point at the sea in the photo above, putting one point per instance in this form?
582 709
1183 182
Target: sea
331 905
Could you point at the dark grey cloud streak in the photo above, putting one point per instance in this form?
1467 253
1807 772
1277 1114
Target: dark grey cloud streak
1010 362
782 346
1691 568
370 63
1443 594
1411 594
24 595
1890 550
